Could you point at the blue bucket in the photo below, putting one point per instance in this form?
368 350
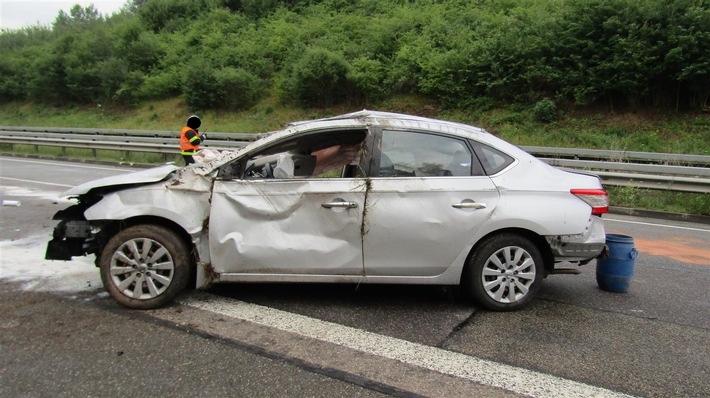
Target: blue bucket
614 271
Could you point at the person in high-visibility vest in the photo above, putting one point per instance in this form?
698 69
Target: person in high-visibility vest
190 138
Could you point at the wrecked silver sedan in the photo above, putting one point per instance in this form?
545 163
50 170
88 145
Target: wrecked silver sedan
366 197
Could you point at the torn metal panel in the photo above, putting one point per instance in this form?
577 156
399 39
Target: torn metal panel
187 179
205 275
287 226
582 246
140 177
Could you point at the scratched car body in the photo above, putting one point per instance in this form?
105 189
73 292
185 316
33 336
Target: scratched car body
366 197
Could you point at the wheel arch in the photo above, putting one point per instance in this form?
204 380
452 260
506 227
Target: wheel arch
112 227
539 241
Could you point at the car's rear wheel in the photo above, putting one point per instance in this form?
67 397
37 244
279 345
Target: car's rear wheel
504 273
145 266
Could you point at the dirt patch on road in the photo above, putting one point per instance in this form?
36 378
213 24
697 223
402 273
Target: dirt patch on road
690 251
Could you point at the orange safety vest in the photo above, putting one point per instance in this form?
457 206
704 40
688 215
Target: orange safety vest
187 147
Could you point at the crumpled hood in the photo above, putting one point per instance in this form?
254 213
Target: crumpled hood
140 177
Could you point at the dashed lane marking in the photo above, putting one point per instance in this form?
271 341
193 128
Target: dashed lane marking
36 182
657 225
67 164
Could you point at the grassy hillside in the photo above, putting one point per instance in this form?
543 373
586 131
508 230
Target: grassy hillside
649 131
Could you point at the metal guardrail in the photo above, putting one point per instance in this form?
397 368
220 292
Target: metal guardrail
666 171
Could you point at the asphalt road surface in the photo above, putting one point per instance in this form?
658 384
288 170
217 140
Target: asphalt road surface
61 335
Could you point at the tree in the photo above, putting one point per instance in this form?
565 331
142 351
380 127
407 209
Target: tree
78 18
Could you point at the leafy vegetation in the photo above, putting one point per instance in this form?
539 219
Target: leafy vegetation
674 202
461 53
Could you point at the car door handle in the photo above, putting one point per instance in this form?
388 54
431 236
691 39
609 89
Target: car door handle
339 205
469 205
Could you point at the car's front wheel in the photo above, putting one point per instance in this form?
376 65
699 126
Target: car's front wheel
145 266
504 273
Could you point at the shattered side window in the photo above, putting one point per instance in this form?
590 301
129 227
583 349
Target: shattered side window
410 154
230 170
332 154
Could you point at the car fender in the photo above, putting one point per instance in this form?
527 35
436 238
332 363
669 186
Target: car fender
146 176
545 213
188 209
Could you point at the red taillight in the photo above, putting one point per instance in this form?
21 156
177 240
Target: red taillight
597 198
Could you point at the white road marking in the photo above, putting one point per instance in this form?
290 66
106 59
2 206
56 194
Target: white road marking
518 380
67 164
656 225
36 182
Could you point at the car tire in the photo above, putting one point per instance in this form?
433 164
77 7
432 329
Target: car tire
504 272
145 266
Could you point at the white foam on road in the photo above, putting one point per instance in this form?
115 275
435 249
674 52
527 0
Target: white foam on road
23 261
510 378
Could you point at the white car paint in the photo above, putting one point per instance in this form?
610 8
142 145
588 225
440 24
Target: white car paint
415 228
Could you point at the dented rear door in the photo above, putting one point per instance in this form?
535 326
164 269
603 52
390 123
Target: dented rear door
290 226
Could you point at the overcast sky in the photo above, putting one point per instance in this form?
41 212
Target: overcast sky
18 13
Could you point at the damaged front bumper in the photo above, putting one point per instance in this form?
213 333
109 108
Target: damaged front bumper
73 236
580 248
70 239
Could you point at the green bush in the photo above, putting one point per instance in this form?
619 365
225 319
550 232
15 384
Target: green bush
545 110
129 89
319 78
171 15
161 83
200 86
207 87
258 8
368 76
11 87
238 88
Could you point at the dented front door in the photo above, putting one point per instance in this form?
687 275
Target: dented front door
289 226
